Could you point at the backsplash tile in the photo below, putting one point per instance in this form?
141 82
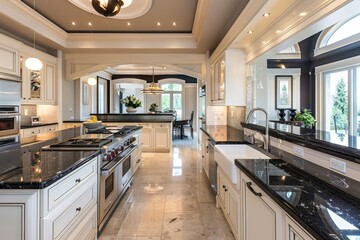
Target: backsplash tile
26 112
236 115
216 115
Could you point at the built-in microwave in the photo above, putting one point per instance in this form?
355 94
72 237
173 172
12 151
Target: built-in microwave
9 120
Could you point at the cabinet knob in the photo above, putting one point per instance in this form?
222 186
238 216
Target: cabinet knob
138 161
226 190
78 209
78 180
224 186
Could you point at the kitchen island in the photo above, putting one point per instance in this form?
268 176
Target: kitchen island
156 133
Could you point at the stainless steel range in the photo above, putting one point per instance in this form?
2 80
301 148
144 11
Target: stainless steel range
115 166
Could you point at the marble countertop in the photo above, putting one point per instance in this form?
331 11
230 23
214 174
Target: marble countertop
343 146
42 168
323 210
38 125
223 134
133 117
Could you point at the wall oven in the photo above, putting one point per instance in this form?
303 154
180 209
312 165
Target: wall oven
9 120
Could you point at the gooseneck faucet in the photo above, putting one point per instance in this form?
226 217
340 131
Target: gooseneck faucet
266 137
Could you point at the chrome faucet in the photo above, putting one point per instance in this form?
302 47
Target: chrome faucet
266 137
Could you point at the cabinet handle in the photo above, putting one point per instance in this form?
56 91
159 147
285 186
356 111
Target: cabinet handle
78 209
138 161
78 180
248 184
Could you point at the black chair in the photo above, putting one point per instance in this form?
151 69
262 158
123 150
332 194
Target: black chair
182 124
176 128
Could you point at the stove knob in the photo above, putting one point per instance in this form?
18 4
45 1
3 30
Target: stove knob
122 148
106 158
112 154
117 151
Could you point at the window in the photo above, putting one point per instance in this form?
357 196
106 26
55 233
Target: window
345 30
342 100
172 98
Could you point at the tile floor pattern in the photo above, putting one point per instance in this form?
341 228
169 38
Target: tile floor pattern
169 199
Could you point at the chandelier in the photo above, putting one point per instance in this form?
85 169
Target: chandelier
109 8
153 88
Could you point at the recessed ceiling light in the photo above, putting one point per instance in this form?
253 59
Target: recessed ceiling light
89 23
158 23
302 14
174 23
128 23
250 32
73 23
266 14
278 31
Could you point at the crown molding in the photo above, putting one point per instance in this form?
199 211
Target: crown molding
202 10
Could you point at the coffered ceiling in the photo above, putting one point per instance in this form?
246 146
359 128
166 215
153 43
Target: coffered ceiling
168 26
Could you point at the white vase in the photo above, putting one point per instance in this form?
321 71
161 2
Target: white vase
131 109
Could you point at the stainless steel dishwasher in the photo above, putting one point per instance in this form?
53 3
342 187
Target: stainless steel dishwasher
212 166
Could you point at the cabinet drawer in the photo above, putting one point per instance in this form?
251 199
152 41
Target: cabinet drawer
85 228
32 131
161 125
59 192
50 128
70 215
144 125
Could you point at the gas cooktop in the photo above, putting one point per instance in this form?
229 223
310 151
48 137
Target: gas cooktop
116 131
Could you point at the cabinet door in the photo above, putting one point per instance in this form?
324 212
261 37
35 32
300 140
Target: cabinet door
147 139
221 79
33 85
294 232
19 215
222 190
9 61
260 218
49 79
162 135
233 209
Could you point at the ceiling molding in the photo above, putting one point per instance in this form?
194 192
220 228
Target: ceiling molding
251 9
21 13
133 41
322 13
202 10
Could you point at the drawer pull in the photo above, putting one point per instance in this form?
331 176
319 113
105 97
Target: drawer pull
224 186
138 161
78 180
78 209
226 190
248 184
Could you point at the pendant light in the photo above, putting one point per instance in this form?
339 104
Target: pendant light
109 8
33 63
91 80
153 88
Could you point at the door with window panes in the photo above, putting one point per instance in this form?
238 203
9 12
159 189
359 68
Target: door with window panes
172 98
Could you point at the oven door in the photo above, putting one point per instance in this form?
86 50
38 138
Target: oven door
108 190
9 120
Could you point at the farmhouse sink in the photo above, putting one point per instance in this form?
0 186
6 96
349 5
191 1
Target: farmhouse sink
225 155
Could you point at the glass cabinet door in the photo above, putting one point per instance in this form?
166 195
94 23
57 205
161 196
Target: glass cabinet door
35 85
221 80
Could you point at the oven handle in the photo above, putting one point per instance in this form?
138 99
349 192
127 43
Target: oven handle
7 114
106 171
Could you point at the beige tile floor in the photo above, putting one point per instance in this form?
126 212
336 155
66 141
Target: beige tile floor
169 199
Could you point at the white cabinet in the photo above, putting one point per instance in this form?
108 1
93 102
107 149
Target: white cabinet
161 136
71 125
9 60
67 204
258 209
229 200
205 154
147 137
293 231
39 86
228 82
28 132
21 210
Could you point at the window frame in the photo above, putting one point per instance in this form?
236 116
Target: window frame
321 110
182 92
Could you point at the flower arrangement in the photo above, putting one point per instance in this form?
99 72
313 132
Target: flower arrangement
305 116
131 101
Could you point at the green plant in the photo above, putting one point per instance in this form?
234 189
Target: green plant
131 101
153 107
306 117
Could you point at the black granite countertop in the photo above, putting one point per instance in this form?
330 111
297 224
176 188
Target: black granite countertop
343 146
133 117
323 210
38 125
223 134
42 168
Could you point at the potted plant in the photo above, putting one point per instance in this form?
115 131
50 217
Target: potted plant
153 107
306 118
131 103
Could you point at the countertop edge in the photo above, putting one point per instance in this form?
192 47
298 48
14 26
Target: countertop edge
279 201
38 125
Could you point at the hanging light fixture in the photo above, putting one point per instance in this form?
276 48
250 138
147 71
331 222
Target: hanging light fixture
33 63
153 88
91 80
109 8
